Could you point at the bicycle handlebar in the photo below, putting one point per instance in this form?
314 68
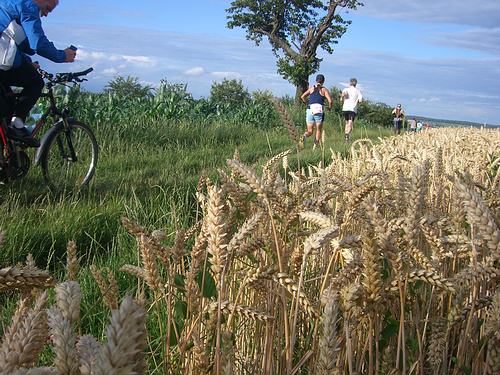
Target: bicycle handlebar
64 77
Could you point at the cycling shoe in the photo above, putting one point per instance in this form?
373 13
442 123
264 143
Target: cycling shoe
22 135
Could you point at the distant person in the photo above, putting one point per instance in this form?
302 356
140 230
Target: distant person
315 113
419 126
351 97
399 115
412 124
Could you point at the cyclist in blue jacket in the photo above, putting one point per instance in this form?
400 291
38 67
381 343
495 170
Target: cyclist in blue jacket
22 35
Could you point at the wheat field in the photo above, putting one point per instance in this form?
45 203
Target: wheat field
384 262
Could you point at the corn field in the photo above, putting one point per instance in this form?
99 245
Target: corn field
385 262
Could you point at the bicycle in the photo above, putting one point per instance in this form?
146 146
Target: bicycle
68 150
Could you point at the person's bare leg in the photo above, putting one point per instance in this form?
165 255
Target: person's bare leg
348 130
319 128
308 132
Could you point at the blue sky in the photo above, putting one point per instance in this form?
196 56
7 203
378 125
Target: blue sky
438 58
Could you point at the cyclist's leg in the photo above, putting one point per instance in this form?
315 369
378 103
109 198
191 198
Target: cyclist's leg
27 77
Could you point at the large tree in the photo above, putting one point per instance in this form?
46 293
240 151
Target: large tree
295 29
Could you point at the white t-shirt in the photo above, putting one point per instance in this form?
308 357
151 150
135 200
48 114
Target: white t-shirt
352 96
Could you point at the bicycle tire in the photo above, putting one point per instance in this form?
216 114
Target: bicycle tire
59 170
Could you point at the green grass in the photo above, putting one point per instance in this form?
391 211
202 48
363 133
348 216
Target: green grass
147 171
150 174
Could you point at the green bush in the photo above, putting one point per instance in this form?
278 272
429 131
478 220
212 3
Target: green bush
229 93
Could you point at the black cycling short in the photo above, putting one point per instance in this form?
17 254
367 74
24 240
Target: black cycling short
349 115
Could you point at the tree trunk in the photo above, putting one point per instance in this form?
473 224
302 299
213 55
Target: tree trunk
300 88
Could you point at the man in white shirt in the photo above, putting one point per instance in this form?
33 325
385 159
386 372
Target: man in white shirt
351 97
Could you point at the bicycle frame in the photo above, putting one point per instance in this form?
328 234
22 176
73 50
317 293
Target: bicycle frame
53 111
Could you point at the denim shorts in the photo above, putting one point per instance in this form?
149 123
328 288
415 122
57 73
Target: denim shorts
318 117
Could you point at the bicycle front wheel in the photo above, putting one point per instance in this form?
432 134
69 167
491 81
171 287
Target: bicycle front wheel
70 157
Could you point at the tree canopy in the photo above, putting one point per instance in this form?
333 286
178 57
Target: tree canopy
127 87
295 29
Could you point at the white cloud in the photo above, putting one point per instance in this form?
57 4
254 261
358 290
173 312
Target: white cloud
478 39
97 56
432 99
232 75
142 61
485 13
196 71
109 72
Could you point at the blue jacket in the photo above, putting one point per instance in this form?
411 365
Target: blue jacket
27 13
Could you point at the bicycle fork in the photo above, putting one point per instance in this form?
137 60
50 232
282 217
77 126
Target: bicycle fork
69 141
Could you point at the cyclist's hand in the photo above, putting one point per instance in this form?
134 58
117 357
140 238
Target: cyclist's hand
70 55
36 65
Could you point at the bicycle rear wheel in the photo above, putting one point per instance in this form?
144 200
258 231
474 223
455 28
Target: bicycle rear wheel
70 158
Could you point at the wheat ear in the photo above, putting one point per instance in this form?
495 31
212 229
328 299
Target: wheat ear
286 119
152 272
247 312
24 279
126 339
250 177
246 229
134 270
64 341
110 299
68 297
72 264
480 215
36 371
291 286
27 340
88 349
215 227
328 342
318 239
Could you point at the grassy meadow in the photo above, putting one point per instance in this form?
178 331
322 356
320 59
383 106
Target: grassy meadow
246 255
148 170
